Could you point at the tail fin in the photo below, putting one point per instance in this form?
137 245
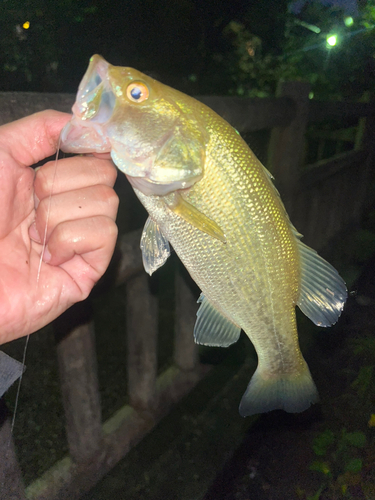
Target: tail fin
290 392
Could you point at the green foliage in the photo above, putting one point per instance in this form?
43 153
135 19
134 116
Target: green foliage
345 70
319 466
213 51
340 464
356 439
34 35
363 349
322 442
251 74
354 465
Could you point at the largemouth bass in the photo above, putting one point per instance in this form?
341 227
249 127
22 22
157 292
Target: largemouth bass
208 195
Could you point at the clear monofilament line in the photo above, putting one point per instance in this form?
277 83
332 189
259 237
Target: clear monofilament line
37 283
19 385
44 244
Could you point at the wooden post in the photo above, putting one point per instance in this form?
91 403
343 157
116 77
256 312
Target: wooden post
185 349
363 131
79 381
286 148
142 331
365 140
11 483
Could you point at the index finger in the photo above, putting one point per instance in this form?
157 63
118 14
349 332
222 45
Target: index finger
33 138
73 173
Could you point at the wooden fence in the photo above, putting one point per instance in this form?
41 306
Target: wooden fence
321 199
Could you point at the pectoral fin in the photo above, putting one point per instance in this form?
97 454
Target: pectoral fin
212 328
154 246
193 216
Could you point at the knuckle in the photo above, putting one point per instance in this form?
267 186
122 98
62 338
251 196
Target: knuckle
41 184
62 233
108 228
109 196
106 171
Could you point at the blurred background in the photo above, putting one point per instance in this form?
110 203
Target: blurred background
237 47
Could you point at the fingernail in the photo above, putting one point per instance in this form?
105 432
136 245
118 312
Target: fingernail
33 233
46 255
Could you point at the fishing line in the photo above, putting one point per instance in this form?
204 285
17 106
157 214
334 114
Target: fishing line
19 386
44 244
48 213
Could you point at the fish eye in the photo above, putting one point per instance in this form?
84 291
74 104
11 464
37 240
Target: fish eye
137 92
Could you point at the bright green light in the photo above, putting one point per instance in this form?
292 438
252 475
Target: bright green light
348 21
311 95
308 26
331 40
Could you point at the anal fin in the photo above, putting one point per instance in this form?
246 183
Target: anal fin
212 328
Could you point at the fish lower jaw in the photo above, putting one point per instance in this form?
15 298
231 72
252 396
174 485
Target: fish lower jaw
77 137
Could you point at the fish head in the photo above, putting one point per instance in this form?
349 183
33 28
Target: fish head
154 133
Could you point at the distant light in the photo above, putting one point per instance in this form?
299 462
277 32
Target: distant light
311 27
348 21
311 95
315 29
331 40
26 25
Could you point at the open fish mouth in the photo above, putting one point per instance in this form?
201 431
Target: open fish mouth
95 100
93 107
82 137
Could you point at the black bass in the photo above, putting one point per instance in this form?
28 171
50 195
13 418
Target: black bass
208 195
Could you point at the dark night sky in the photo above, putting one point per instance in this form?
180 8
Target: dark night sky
169 39
172 38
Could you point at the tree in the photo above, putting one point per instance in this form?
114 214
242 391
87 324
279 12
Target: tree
343 70
34 35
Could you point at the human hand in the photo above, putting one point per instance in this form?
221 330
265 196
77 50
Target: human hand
81 232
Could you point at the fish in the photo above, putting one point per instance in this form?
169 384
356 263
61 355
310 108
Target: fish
209 197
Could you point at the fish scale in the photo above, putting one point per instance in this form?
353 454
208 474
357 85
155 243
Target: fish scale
208 195
254 242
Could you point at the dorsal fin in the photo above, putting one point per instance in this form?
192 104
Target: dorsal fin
212 328
322 292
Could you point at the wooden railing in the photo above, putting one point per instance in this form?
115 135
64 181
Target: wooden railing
321 199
